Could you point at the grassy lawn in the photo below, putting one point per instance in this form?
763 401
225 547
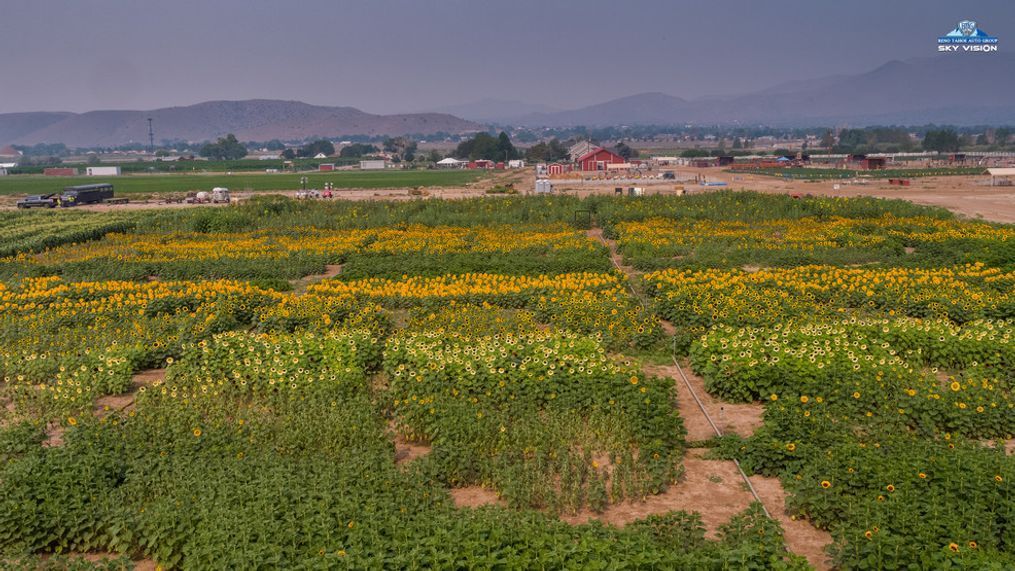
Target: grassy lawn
824 173
127 184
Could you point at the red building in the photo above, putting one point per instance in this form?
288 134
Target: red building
558 168
597 159
60 171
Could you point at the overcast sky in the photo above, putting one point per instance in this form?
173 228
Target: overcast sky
408 55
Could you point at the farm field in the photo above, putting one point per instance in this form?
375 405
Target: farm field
506 383
163 183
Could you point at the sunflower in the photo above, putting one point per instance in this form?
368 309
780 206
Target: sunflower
954 547
826 484
890 488
791 447
197 432
72 421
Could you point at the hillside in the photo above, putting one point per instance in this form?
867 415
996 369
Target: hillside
252 120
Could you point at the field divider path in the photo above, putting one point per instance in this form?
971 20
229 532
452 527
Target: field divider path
300 285
630 272
801 537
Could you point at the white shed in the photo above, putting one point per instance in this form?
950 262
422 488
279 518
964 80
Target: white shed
102 171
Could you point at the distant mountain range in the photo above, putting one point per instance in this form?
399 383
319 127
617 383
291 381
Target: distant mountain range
491 110
252 120
959 89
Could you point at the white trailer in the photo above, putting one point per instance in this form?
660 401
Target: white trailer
102 171
372 165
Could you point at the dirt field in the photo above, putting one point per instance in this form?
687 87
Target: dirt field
969 196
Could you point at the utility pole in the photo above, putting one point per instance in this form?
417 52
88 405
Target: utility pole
151 138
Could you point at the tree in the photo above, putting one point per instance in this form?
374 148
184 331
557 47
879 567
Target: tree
1001 136
357 150
625 151
828 139
737 143
486 146
288 154
401 148
274 145
941 141
550 152
319 146
225 149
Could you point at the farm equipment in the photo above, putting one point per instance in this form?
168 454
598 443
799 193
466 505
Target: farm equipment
220 195
85 194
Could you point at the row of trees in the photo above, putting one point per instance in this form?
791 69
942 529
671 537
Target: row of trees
486 146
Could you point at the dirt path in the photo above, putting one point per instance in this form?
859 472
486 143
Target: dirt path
109 404
300 285
802 538
736 418
714 488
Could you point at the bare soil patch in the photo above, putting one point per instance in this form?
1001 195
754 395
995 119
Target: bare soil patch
54 435
406 451
802 538
741 419
713 488
474 497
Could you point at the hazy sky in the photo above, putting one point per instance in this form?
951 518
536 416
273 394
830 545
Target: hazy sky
407 55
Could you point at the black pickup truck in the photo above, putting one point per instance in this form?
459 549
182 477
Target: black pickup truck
38 201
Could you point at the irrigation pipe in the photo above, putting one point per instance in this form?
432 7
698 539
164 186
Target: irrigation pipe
687 382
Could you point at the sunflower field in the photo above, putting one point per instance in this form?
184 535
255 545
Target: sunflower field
283 384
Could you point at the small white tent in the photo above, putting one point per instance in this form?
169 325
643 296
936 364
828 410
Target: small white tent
450 163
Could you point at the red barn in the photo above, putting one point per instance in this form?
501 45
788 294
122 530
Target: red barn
597 159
